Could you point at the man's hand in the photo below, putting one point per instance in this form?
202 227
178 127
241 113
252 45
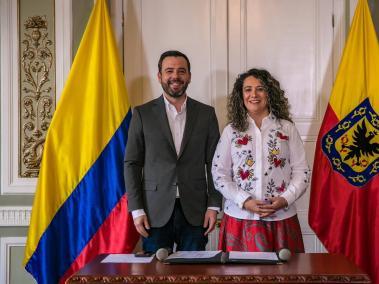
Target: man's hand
142 224
210 220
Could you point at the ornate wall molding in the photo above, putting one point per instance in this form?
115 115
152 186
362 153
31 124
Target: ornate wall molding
63 40
5 254
17 216
37 95
11 106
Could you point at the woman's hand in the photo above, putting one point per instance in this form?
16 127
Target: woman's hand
264 209
257 206
276 204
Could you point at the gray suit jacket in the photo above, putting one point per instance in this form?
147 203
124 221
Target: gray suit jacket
153 170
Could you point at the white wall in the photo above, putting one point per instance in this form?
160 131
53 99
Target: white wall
293 39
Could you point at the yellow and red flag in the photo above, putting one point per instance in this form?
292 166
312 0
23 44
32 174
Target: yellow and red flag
345 183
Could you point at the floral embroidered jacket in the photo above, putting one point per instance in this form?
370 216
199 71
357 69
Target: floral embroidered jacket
260 163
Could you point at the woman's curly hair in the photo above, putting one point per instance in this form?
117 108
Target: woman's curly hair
277 102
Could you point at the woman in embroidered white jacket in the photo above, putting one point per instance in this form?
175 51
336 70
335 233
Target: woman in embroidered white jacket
260 168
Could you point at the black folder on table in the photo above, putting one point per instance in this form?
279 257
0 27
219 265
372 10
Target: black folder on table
223 258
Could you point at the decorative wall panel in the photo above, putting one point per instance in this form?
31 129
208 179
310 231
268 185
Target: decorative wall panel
37 91
15 216
197 27
29 84
6 245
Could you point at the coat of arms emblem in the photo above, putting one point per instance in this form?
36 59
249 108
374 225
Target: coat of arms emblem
352 146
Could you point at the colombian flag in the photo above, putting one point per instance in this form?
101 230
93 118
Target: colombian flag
344 204
80 209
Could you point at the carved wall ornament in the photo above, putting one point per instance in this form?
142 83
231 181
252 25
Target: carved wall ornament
37 93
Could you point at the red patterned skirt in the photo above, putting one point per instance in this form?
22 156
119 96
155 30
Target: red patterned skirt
258 235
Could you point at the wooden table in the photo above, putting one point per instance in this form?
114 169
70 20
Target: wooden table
302 268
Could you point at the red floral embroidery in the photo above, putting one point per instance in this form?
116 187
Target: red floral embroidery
244 174
277 162
243 140
281 136
281 188
274 149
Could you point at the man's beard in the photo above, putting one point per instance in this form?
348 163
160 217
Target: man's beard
172 93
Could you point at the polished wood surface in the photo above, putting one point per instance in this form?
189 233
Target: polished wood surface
302 268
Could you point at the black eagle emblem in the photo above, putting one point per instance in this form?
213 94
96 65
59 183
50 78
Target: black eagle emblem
361 144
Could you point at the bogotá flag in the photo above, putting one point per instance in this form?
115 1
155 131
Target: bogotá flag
80 208
344 203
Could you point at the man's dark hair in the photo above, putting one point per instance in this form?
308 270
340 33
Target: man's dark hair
173 53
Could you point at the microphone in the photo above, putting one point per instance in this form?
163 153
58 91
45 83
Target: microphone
284 254
162 253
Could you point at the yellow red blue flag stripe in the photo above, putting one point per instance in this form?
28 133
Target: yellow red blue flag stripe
81 176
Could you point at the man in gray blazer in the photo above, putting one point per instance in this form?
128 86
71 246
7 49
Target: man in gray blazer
168 160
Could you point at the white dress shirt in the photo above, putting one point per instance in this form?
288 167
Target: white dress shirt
177 122
260 163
